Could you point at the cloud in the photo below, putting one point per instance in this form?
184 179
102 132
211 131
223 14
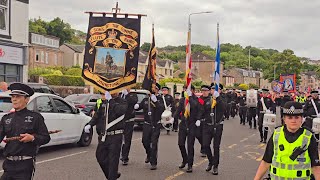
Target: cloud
285 24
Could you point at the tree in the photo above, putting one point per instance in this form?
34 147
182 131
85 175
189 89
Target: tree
60 29
145 47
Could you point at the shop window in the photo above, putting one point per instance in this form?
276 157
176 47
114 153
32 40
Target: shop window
4 17
37 58
11 69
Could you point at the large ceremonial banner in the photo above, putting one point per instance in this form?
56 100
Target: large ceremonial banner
289 82
111 53
276 86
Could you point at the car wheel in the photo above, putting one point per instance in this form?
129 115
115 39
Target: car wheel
85 139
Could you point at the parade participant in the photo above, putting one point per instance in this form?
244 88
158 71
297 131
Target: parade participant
187 128
176 104
205 90
264 106
284 99
153 108
243 108
291 152
20 154
169 101
234 99
229 99
111 111
311 110
131 99
213 127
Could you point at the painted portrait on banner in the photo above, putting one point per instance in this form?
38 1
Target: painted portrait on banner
111 53
289 82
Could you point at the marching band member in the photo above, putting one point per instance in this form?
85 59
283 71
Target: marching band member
169 101
111 111
153 108
264 106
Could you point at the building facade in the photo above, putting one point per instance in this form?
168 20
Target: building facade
227 80
73 55
44 51
14 30
309 80
242 76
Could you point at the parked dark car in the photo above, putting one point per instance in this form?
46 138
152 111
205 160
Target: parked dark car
139 119
85 102
41 88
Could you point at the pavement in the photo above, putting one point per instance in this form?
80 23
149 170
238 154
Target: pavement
241 152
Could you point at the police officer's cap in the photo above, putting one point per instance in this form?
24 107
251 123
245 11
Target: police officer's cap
158 86
176 93
265 90
213 86
20 89
205 88
165 87
314 92
293 108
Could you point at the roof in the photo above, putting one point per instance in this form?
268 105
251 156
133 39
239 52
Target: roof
160 62
45 35
245 72
75 48
200 56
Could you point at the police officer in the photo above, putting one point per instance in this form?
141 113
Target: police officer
20 154
310 110
153 108
261 111
187 128
131 99
292 151
111 111
213 127
176 104
243 108
169 101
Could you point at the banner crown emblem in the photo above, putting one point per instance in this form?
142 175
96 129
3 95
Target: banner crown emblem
112 34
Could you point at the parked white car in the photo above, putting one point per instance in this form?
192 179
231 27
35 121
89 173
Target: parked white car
58 115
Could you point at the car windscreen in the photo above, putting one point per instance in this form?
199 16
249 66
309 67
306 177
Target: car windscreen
5 104
141 96
42 89
77 99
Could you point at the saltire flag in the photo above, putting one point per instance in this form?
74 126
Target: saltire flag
188 74
149 81
217 68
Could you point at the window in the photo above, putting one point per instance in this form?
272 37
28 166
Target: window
44 104
62 107
4 17
47 58
10 73
42 56
55 57
37 58
31 105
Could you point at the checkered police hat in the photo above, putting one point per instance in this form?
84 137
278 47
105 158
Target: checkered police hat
293 108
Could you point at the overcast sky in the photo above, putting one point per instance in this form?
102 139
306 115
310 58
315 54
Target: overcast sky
277 24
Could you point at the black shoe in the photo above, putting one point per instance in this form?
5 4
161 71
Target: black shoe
182 165
147 160
250 127
189 170
209 168
125 163
203 155
255 127
261 140
215 171
153 167
119 175
265 142
168 132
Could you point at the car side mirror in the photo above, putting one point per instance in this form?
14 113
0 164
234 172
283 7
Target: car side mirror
77 111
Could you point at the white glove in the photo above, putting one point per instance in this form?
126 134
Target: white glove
136 106
216 94
87 128
198 122
189 93
124 92
268 111
154 98
108 96
318 116
256 117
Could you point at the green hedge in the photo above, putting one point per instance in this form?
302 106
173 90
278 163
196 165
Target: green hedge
63 80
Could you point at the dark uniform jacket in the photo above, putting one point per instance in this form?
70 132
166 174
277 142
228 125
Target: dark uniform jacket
218 110
117 107
285 99
229 97
195 111
308 108
267 101
20 122
242 100
170 102
156 109
131 99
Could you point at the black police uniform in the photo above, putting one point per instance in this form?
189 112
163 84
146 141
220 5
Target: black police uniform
242 109
151 128
187 129
108 151
263 131
212 130
20 157
170 102
131 99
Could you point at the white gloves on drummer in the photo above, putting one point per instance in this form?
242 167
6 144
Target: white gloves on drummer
124 92
189 93
154 98
136 106
87 128
216 94
108 96
198 122
256 117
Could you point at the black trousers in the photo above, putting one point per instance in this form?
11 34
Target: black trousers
18 170
252 117
262 130
175 124
199 136
228 110
127 138
108 154
243 114
233 109
150 139
211 134
189 136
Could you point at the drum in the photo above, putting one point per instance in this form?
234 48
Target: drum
269 120
167 119
316 125
252 98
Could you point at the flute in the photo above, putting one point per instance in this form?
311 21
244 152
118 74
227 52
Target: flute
19 137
